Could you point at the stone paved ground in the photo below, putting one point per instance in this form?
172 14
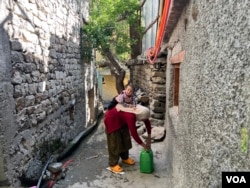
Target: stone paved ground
90 159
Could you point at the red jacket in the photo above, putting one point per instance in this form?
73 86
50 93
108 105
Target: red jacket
114 120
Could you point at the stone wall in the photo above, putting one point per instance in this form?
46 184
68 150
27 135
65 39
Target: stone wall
151 80
47 95
205 136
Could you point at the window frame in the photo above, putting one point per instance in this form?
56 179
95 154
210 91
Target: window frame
176 61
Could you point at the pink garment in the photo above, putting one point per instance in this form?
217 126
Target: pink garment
122 98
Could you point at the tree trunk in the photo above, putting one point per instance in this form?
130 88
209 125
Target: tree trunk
116 70
135 35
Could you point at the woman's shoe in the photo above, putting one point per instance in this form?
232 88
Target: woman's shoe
116 169
129 161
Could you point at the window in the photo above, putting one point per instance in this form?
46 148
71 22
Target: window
176 60
176 83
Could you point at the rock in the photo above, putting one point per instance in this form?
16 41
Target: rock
55 167
144 99
33 172
157 134
141 130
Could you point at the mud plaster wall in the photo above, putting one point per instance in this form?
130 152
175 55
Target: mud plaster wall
204 138
42 82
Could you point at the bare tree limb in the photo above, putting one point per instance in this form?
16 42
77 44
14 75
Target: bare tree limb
116 70
103 64
151 24
142 3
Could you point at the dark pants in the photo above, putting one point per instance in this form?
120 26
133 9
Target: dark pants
119 143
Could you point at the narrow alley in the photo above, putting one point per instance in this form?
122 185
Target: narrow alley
189 61
90 160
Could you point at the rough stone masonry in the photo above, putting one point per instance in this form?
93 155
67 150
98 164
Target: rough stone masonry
43 95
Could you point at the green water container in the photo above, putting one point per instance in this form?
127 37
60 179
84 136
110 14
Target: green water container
146 161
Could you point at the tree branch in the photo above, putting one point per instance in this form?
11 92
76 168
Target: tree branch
142 3
103 64
126 14
150 25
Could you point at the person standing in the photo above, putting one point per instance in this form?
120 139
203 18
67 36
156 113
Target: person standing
120 126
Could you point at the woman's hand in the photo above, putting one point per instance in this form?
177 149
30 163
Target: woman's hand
145 146
148 142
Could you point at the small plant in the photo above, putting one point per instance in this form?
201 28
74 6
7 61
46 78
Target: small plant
46 148
86 47
244 140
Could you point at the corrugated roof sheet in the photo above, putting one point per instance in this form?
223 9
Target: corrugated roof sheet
149 13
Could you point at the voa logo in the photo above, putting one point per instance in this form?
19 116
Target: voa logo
236 179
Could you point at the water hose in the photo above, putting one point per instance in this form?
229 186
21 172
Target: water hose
153 51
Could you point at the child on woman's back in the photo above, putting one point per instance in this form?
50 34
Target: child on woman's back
127 103
127 97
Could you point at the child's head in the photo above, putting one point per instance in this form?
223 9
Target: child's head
129 89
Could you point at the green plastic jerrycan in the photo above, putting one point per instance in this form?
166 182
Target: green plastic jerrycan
146 161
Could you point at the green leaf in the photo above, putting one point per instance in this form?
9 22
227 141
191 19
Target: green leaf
244 140
105 29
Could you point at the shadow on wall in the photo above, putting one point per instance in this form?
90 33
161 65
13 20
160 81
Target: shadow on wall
6 92
48 89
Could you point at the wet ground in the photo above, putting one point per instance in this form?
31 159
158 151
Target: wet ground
90 160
